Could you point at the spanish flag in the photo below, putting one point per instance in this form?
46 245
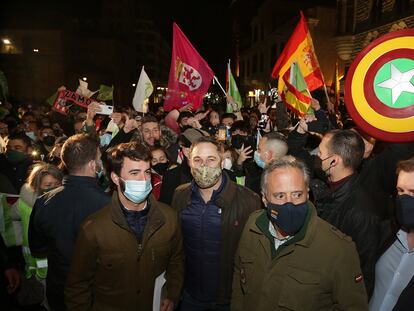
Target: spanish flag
299 49
295 93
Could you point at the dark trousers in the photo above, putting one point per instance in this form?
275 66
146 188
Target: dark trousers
189 303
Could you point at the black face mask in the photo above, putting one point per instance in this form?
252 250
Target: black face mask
49 140
157 143
288 217
160 168
405 211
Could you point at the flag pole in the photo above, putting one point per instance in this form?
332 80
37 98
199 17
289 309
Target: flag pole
215 78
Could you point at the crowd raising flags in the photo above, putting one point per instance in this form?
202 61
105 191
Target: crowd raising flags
299 49
190 75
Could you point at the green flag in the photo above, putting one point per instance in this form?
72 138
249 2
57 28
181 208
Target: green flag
105 92
233 91
4 88
51 100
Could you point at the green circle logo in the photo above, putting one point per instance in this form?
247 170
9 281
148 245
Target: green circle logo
394 83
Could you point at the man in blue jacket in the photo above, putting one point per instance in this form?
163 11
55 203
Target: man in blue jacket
213 211
56 216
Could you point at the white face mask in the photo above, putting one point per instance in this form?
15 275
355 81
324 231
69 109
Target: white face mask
227 164
137 190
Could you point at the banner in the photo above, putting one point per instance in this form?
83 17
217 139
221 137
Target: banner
190 75
65 99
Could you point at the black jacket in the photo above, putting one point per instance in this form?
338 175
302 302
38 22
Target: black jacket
54 225
350 209
378 175
16 173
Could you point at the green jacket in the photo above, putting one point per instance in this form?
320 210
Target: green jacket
318 269
236 203
111 270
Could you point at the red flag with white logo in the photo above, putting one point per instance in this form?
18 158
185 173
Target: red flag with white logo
190 75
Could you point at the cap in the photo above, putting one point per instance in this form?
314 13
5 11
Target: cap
190 135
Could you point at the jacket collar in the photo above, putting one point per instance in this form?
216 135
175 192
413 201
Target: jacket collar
304 237
226 196
155 217
80 181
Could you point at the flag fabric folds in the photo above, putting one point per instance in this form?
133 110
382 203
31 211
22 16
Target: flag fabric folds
190 75
105 92
299 49
295 93
232 90
142 92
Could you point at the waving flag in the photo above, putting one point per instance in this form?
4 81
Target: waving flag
142 92
190 76
105 92
232 91
295 93
299 49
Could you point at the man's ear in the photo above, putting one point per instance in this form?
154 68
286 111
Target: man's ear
92 165
115 178
264 200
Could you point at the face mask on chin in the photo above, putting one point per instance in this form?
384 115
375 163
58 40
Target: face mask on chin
206 177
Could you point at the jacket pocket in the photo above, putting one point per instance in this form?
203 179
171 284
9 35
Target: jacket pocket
246 273
301 290
160 255
111 270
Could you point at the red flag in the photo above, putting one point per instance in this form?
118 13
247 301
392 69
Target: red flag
190 75
299 49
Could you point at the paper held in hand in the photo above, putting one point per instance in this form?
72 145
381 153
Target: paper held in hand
159 283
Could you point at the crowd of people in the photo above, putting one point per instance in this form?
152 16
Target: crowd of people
254 210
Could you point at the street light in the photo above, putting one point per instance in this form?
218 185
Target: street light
6 41
36 50
133 84
84 78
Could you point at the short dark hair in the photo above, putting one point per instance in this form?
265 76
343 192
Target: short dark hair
132 150
184 114
205 139
149 118
78 150
406 166
348 145
228 115
21 136
240 125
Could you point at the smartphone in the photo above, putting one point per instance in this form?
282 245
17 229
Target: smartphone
106 109
222 133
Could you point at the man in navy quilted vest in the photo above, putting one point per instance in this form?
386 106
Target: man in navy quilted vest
213 210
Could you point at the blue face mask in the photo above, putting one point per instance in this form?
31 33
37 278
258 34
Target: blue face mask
258 160
288 217
105 139
31 135
137 190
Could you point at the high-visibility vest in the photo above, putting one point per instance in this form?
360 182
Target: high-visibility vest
6 226
34 266
241 180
